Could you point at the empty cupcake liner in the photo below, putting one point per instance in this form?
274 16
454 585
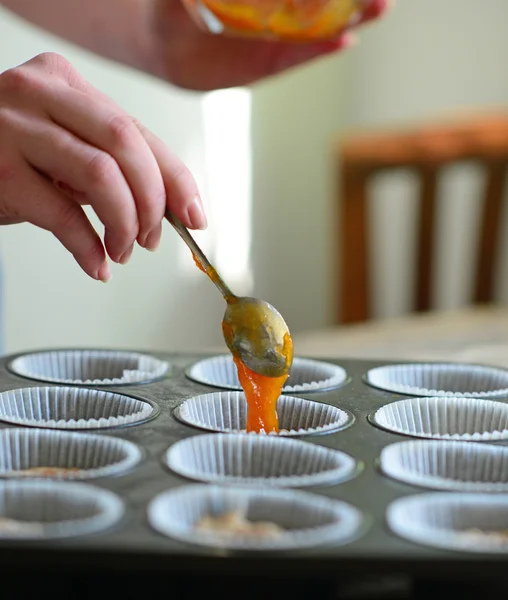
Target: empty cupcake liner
227 412
72 408
461 466
445 418
253 519
50 509
89 367
464 522
305 375
63 455
474 381
260 460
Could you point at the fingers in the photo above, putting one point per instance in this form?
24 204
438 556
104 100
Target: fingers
156 177
40 203
99 155
290 55
182 196
80 171
71 145
121 150
374 10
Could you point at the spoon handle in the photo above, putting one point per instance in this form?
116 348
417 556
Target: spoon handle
199 255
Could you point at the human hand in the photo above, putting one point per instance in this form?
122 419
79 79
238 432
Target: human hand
193 59
64 144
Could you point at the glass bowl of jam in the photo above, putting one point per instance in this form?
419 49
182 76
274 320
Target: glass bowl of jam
285 20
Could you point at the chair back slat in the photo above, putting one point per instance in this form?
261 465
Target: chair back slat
427 150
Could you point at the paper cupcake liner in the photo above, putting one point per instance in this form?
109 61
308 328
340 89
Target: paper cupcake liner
72 408
272 461
464 522
89 367
63 455
461 466
50 509
473 381
446 418
227 412
305 375
285 519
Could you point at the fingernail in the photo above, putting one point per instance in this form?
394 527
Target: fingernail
349 40
124 259
104 274
196 214
153 239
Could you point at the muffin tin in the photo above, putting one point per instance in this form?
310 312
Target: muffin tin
345 516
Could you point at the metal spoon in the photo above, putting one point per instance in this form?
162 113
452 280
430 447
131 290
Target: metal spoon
253 329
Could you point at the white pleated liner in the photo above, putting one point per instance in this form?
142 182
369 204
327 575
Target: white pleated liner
446 418
305 375
71 408
89 367
51 509
307 519
461 466
85 455
227 412
259 460
464 522
428 379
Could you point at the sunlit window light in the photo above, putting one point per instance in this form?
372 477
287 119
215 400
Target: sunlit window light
228 176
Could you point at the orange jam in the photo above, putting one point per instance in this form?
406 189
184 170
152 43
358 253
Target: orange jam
261 394
291 20
200 266
210 271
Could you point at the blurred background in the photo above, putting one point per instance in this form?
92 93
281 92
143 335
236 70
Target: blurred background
263 159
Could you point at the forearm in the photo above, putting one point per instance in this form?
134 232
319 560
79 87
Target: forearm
116 29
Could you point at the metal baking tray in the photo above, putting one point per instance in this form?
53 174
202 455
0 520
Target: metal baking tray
134 554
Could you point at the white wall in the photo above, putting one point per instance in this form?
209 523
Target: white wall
430 58
157 301
293 120
425 57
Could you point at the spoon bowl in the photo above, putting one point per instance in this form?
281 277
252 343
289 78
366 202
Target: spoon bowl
253 329
255 332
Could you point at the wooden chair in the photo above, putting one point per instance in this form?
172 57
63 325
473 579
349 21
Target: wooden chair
426 150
